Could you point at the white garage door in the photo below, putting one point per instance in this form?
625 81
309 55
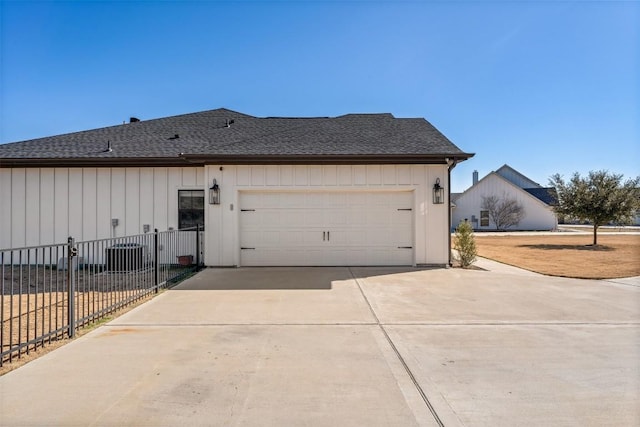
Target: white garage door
326 228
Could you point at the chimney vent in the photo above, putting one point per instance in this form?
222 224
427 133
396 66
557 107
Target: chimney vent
475 177
133 119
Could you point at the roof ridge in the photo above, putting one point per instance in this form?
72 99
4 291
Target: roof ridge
519 173
365 114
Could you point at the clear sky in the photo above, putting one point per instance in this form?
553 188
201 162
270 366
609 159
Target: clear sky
544 86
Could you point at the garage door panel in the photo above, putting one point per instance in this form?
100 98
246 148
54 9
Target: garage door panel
247 238
326 228
378 218
336 218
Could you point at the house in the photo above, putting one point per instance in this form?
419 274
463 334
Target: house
507 183
357 189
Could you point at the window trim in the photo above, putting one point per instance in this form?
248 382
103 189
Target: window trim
202 226
484 218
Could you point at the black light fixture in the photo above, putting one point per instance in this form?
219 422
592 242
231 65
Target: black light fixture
438 193
214 193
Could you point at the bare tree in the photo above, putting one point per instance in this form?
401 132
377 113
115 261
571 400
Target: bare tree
504 211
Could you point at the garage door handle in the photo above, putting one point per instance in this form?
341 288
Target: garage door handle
407 209
247 210
324 235
328 236
248 248
405 247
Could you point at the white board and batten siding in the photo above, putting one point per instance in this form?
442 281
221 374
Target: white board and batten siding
361 211
49 204
326 215
538 216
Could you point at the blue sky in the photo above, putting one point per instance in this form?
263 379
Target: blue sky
544 86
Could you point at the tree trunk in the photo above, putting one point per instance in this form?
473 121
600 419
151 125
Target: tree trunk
595 234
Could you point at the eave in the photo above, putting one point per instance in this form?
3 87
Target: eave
204 159
327 159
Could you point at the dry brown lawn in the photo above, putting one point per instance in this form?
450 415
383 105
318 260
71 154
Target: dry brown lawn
61 340
564 255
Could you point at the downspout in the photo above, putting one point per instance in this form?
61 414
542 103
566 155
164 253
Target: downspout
451 163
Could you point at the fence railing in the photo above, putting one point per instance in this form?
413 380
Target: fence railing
48 292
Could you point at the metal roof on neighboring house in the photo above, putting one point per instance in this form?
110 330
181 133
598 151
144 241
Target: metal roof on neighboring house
225 136
547 195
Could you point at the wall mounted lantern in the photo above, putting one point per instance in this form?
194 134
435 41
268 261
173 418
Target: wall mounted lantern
214 193
438 193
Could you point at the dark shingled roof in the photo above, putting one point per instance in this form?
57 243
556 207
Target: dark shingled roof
207 137
547 195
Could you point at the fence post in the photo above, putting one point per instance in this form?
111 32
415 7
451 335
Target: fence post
155 259
72 252
197 246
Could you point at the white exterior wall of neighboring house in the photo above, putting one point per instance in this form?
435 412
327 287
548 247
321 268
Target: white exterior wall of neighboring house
538 215
47 205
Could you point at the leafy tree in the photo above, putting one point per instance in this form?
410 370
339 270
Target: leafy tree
505 212
465 243
600 198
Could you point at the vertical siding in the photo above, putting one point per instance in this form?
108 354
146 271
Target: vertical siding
421 236
89 204
174 183
146 198
132 202
160 199
46 205
118 200
200 181
61 205
103 203
75 214
5 208
430 221
32 207
189 177
538 216
213 216
18 200
82 201
226 232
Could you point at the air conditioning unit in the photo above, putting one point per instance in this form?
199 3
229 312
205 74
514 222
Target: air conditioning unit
124 257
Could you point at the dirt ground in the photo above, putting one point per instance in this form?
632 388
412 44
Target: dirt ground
33 302
59 342
566 255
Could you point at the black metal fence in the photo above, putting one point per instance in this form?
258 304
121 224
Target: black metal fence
48 292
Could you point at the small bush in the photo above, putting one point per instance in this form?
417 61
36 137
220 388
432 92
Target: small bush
465 243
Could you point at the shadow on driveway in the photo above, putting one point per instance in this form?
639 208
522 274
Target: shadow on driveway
282 278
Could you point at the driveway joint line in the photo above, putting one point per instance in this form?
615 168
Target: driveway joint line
513 324
189 325
398 355
613 281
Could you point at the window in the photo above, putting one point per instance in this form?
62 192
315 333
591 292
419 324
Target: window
190 208
484 218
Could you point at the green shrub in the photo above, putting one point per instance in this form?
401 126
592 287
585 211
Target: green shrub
465 243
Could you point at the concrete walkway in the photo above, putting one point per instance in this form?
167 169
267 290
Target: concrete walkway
350 347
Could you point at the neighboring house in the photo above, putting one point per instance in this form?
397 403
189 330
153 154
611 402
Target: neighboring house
505 182
356 189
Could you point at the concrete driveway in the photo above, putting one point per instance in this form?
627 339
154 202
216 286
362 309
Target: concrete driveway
350 347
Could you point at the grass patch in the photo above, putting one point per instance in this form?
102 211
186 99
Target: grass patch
566 255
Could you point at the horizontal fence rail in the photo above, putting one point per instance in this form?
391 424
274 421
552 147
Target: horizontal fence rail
48 292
